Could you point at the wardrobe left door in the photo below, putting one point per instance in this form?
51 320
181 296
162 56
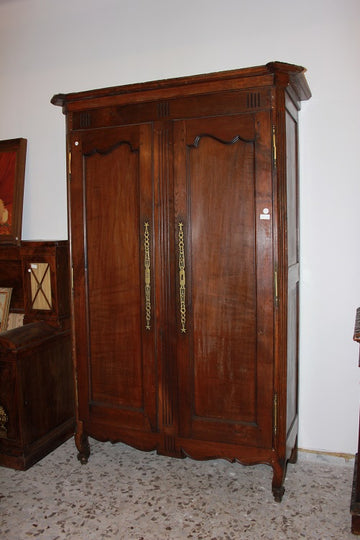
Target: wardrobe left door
112 245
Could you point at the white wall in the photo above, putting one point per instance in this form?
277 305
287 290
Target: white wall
47 46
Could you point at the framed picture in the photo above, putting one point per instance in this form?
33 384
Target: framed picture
12 173
5 296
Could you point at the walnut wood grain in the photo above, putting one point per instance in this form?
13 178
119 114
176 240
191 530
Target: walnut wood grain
210 162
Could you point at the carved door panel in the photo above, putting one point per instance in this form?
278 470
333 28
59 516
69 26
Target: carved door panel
112 249
223 233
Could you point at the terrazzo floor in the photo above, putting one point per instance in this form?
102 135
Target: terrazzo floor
126 494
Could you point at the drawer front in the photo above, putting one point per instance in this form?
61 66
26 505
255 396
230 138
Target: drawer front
9 416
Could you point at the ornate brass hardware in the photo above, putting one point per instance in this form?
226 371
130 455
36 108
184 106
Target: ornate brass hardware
3 421
182 278
147 276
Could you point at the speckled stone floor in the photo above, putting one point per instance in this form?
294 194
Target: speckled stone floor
126 494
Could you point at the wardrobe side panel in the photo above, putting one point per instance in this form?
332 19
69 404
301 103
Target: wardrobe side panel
293 261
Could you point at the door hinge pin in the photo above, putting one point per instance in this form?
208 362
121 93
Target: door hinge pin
276 292
275 412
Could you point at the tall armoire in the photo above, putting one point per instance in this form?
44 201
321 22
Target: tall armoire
183 210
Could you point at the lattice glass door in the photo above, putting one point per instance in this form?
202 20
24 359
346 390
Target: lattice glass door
40 282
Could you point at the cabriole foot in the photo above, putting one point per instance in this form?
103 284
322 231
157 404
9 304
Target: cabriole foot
82 444
278 493
278 489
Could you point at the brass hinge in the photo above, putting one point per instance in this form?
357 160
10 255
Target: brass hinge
275 412
69 164
274 144
276 291
72 277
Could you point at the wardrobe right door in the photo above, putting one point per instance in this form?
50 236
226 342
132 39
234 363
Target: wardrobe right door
223 237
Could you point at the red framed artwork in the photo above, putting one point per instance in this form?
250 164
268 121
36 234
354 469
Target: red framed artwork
12 173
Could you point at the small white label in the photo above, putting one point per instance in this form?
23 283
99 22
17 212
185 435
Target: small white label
265 216
32 265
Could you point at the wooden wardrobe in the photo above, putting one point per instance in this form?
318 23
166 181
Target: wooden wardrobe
183 217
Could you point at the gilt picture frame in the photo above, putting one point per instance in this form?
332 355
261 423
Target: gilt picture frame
5 297
12 175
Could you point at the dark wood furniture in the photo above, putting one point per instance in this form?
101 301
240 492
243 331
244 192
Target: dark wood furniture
355 498
184 239
36 374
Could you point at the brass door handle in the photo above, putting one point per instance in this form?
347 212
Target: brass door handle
182 277
147 274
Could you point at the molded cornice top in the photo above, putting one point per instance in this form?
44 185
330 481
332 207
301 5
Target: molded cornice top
278 74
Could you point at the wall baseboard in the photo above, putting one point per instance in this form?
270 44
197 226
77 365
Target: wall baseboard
325 457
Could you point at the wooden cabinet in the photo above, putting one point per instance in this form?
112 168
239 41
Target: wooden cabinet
184 239
45 267
36 370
